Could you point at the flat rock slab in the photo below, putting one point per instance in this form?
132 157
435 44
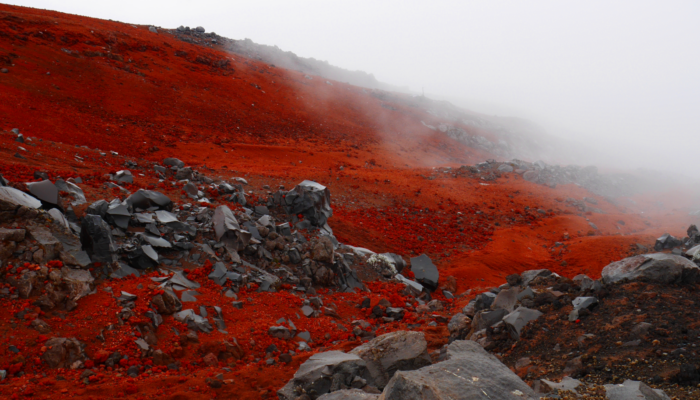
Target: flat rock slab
469 373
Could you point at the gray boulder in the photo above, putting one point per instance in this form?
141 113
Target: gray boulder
124 176
425 271
469 373
516 320
149 199
658 267
584 302
73 189
324 373
11 199
96 238
484 319
44 191
633 390
173 162
395 351
312 200
484 301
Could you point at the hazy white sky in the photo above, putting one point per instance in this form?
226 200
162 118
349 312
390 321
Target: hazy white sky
621 73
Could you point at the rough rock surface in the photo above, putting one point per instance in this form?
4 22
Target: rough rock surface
63 352
658 267
324 373
391 352
469 373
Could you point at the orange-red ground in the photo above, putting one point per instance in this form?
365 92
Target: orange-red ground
118 87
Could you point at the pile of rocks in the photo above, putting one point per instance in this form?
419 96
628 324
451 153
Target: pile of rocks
397 366
537 305
283 240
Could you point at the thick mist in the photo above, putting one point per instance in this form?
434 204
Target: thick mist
618 79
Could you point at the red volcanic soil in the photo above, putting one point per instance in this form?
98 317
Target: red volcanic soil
76 81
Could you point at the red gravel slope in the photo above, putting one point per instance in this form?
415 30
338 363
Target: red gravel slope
118 87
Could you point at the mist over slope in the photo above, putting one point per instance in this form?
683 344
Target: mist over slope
181 221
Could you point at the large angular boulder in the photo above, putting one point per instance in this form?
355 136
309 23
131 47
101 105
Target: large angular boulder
96 238
11 200
666 242
98 208
325 373
72 189
312 200
634 390
468 373
425 271
395 351
657 267
44 191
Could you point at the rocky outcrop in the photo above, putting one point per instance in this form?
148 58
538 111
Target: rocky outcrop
325 373
395 351
469 373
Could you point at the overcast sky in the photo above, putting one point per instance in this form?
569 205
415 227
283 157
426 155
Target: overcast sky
624 74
